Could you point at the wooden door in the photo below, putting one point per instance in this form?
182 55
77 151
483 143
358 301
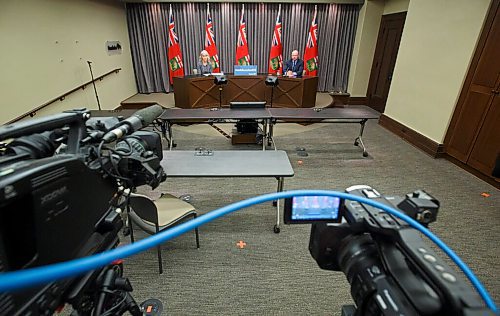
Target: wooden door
475 136
487 146
386 51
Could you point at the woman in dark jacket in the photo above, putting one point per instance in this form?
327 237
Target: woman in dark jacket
204 65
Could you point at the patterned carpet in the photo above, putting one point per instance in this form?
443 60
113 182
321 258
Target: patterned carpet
275 274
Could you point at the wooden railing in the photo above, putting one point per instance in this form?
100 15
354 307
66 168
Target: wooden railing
62 96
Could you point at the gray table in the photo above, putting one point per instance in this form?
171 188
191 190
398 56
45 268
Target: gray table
269 117
351 114
211 116
112 113
232 163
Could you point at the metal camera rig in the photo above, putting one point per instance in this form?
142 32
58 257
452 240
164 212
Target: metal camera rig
390 268
60 200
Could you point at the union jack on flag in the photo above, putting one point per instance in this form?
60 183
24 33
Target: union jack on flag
210 42
242 35
311 51
209 39
277 33
172 37
242 55
276 53
176 67
311 40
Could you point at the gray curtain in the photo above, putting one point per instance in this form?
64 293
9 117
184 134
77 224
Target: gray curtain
148 27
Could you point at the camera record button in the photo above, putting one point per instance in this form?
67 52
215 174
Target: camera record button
449 277
430 258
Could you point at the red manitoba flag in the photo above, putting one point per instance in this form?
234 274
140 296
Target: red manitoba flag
210 43
242 55
276 54
311 51
176 68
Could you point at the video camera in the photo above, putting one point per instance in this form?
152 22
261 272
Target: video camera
61 192
391 270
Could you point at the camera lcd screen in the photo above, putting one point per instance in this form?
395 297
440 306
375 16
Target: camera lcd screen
308 209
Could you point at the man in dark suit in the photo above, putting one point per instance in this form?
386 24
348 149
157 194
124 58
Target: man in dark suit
295 66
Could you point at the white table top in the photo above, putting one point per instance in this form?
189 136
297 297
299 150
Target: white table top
227 163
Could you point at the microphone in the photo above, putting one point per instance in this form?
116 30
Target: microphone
138 120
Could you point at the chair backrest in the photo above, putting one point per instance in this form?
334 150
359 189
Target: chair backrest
144 207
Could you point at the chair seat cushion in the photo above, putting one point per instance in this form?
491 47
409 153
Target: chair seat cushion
170 211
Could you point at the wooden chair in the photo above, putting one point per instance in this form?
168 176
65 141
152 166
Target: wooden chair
156 216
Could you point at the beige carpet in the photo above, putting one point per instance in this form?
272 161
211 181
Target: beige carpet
275 273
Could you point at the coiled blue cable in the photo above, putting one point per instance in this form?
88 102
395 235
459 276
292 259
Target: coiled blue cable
10 281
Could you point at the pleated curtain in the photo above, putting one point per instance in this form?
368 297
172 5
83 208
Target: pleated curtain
148 27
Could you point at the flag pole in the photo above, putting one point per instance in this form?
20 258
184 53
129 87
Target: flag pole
280 60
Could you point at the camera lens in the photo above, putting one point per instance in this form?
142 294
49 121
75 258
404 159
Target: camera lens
427 215
359 260
356 254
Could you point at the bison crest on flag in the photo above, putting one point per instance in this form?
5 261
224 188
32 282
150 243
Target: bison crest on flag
311 64
275 63
214 61
175 63
243 61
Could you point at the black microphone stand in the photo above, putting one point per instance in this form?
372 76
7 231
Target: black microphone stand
93 83
220 97
272 90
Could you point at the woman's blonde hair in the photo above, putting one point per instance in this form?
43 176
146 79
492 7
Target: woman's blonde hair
204 52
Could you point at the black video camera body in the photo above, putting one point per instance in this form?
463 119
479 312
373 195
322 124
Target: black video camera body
392 271
59 200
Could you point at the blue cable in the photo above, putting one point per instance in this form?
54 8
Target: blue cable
11 281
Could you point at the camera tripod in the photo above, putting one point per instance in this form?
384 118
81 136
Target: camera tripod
110 295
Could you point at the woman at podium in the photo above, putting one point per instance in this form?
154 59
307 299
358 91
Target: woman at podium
204 66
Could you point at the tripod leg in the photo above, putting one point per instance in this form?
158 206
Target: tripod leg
132 306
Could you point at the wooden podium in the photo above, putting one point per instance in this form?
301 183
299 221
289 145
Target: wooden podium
195 91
